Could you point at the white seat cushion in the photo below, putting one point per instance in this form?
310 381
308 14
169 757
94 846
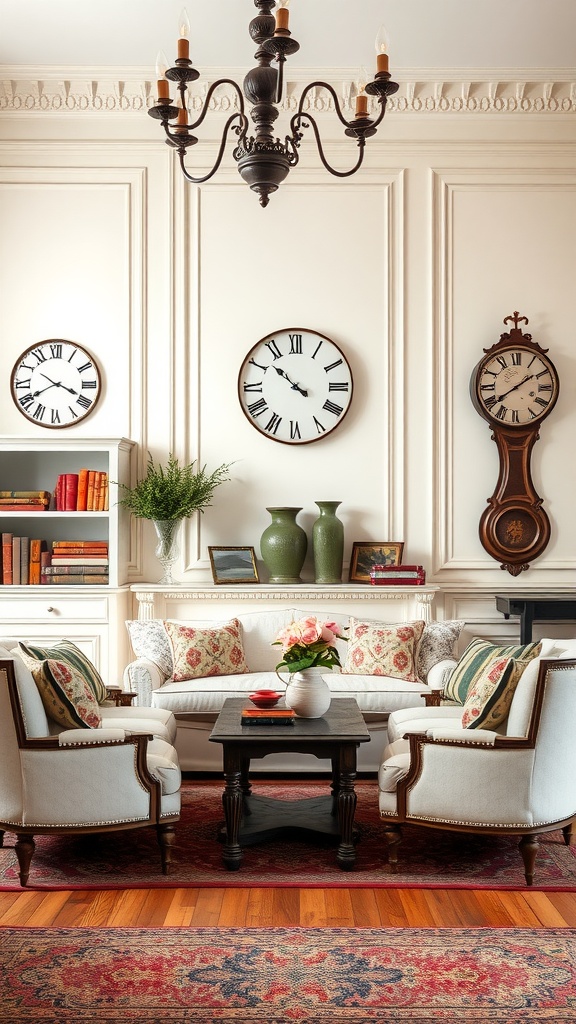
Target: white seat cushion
421 719
156 721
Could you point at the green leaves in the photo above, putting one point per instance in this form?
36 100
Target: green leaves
303 656
173 491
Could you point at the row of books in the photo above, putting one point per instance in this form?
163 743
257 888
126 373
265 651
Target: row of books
27 560
86 491
24 501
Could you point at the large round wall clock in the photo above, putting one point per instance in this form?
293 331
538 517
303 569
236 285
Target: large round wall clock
514 387
55 383
295 386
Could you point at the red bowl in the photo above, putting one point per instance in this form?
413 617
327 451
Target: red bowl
265 698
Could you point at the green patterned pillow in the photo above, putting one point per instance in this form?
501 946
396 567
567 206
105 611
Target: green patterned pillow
65 650
476 657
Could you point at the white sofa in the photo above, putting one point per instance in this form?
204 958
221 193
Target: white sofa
196 702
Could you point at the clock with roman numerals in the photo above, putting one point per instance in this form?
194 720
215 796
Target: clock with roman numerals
55 383
514 387
295 386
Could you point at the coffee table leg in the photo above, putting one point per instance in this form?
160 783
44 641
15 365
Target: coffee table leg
232 799
346 799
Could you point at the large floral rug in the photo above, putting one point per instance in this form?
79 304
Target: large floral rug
427 857
287 976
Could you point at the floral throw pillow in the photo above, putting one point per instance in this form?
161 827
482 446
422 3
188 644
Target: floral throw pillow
66 651
200 652
66 695
490 696
383 649
438 642
150 640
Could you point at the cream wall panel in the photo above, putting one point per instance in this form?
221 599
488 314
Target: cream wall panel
505 242
325 258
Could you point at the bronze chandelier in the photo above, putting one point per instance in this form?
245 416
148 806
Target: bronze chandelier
264 161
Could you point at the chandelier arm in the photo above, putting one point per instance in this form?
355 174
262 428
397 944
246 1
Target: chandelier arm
240 129
209 94
296 124
328 87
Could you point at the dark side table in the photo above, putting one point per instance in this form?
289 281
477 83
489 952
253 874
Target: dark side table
536 608
251 818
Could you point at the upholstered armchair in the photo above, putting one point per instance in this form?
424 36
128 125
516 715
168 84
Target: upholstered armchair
83 780
519 778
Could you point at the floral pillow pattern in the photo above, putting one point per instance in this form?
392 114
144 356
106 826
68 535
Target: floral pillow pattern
490 696
66 651
202 652
149 640
66 695
438 642
383 649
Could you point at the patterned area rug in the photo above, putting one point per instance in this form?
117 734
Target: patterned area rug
287 976
427 857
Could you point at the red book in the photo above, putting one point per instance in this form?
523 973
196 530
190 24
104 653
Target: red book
59 493
57 544
22 508
82 490
6 558
70 492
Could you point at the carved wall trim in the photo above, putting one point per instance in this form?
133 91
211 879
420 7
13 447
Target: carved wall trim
83 90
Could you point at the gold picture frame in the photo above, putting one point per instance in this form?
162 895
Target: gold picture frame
366 554
233 565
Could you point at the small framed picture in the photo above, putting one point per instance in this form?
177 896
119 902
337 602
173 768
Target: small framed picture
233 565
366 554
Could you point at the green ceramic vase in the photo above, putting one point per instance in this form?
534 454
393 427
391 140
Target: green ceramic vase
283 546
328 544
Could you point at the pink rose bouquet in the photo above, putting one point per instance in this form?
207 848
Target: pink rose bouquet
308 643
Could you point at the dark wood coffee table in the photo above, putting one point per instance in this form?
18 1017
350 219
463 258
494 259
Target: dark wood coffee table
252 818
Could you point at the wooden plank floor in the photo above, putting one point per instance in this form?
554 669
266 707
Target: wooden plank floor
290 907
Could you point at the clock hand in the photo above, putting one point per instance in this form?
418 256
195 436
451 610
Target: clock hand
41 392
295 387
516 386
57 384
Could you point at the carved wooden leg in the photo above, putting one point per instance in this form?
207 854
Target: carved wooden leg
25 847
393 838
245 778
166 839
346 799
232 802
528 846
567 832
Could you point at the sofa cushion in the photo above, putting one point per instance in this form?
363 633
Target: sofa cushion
394 767
199 653
149 639
489 697
383 649
66 651
66 695
162 763
420 719
437 643
477 655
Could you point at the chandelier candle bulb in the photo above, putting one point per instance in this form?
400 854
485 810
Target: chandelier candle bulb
282 16
184 41
161 69
382 47
361 105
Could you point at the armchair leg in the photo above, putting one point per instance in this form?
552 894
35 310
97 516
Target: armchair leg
166 838
528 847
25 847
567 833
393 838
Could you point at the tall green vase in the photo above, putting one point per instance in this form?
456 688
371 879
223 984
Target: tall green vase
283 546
328 544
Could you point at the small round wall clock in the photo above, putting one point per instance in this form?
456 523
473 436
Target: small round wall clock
295 386
55 383
514 387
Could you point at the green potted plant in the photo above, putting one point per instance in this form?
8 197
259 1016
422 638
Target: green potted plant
167 495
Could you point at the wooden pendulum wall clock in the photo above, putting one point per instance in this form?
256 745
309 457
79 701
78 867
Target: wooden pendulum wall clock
515 387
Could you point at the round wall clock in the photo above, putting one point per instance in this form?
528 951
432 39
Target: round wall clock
55 383
295 386
514 387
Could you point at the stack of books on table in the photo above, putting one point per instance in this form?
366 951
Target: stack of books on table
21 559
267 716
86 491
73 562
24 501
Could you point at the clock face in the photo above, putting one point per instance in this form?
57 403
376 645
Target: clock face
515 386
295 386
56 383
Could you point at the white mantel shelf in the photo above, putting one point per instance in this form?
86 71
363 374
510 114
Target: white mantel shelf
157 600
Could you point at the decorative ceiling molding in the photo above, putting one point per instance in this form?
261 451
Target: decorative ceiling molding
81 93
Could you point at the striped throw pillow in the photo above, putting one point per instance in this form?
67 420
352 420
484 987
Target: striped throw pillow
476 658
66 651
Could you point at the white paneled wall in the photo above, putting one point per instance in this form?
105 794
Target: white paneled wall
464 212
